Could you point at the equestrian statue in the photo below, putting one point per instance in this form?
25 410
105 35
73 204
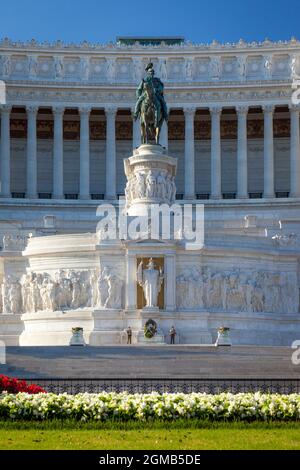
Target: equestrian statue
150 107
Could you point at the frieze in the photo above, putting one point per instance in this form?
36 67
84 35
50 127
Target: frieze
237 290
126 98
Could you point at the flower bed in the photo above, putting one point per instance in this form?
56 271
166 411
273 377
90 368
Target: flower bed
12 385
123 406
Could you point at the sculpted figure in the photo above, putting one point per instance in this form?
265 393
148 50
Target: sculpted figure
289 293
258 294
110 69
189 69
94 275
271 292
86 292
58 67
215 67
181 291
173 190
44 292
293 66
161 185
140 185
11 295
241 66
215 294
26 292
150 185
150 279
6 66
85 68
16 297
76 289
234 293
103 287
198 286
151 107
115 284
32 66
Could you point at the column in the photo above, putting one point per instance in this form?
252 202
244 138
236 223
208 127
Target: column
111 153
242 170
163 138
189 154
31 187
215 192
170 282
136 131
295 152
268 151
84 179
5 151
131 286
58 153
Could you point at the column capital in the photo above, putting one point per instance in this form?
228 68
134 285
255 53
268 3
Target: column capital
189 111
268 108
111 110
31 109
58 110
242 109
84 110
215 110
5 108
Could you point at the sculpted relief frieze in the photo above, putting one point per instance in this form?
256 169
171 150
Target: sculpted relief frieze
245 291
64 290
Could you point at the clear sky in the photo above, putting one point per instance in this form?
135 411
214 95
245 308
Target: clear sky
103 20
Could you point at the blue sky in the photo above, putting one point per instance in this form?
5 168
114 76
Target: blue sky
103 20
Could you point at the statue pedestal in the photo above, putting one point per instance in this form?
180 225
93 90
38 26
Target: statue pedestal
156 339
150 176
149 310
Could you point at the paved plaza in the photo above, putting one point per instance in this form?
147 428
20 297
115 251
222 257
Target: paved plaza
146 362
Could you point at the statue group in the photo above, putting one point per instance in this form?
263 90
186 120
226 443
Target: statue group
64 290
150 107
155 184
196 288
258 291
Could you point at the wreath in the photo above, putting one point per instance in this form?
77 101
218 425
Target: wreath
150 328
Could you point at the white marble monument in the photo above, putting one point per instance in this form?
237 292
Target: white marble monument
232 143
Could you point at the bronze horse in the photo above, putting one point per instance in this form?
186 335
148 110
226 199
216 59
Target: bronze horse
149 107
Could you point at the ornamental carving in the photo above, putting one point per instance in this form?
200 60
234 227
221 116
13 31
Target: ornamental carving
64 290
237 291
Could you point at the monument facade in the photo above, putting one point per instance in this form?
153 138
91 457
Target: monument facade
220 129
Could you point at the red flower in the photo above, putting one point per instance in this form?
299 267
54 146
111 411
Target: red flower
13 385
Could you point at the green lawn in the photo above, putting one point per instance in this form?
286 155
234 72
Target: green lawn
161 436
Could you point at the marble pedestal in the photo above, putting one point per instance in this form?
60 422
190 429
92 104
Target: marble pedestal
150 176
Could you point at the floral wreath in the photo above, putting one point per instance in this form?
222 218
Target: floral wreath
150 328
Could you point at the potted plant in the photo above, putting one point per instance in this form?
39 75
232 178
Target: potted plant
77 338
223 338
